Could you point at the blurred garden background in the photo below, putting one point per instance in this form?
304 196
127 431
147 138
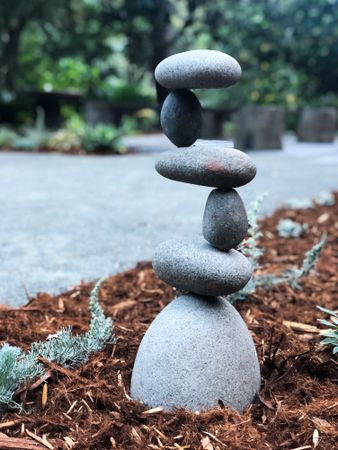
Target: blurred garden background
77 74
76 78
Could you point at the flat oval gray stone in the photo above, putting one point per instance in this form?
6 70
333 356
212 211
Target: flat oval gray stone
198 69
225 223
195 266
197 352
207 165
181 117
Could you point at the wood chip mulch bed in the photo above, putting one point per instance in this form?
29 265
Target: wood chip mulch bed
90 408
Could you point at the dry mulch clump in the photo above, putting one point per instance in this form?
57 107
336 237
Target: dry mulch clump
90 408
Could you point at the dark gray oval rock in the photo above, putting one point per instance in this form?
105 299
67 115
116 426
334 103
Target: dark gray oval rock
195 266
225 223
207 165
198 69
181 117
197 352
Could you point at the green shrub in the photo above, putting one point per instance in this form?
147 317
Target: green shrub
36 137
65 140
102 138
7 138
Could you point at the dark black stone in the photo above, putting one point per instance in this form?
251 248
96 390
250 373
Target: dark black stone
181 117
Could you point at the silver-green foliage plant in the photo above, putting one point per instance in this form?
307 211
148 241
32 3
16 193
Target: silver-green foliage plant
325 199
330 334
17 367
251 249
288 228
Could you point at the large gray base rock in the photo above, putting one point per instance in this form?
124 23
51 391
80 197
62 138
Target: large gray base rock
225 223
259 128
181 117
197 352
195 266
317 124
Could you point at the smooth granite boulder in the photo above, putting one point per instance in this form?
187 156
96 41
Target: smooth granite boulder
207 164
198 69
225 223
195 266
181 117
197 353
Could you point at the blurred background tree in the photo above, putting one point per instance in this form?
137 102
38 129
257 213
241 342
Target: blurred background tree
108 49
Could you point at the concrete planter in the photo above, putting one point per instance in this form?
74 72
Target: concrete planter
317 124
259 128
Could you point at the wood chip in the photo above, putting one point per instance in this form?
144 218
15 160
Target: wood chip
206 444
89 409
298 326
71 407
122 305
9 443
42 440
69 442
44 396
214 437
121 385
9 423
136 437
324 426
305 447
323 218
163 436
156 410
315 438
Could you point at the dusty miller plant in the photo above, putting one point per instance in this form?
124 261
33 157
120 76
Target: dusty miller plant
288 228
17 368
330 334
251 249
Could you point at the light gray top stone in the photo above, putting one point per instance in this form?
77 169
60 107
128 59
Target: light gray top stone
198 69
207 164
195 266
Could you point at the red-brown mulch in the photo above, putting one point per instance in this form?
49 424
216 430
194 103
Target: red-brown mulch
90 408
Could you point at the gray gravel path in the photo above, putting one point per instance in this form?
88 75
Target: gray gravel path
68 218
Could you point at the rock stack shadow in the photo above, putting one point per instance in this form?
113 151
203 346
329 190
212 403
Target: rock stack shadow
198 352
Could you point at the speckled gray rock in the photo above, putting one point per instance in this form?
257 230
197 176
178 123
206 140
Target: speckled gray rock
225 223
181 117
197 352
195 266
197 69
207 165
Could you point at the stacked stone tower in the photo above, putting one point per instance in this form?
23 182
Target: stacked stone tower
198 352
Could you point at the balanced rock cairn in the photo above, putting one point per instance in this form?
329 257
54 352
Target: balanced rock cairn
198 352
